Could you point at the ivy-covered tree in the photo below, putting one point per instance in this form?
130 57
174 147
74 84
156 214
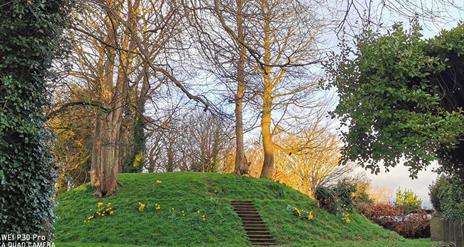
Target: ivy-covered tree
401 98
29 33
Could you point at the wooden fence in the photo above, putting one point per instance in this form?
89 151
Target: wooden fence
447 230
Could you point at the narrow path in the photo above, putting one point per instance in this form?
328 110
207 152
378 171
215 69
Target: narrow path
256 229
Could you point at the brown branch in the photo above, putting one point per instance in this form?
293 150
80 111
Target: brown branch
250 49
64 107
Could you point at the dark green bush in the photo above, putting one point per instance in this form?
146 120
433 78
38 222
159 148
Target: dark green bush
336 198
29 34
436 190
447 196
327 199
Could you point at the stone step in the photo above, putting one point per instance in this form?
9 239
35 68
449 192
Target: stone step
243 206
260 236
255 227
257 231
252 222
243 209
247 212
244 217
243 203
262 242
248 215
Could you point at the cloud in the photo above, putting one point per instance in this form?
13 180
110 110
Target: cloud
398 177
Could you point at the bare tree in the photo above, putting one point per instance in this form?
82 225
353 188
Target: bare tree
195 141
122 51
285 37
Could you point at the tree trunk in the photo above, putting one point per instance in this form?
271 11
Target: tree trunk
170 156
240 159
105 156
266 117
268 144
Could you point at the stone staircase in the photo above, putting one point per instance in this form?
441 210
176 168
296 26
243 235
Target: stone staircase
256 229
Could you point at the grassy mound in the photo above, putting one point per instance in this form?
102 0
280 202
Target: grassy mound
185 197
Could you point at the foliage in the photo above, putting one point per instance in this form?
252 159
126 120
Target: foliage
338 198
210 193
390 100
415 225
378 210
73 143
407 201
447 196
361 194
436 191
30 36
304 161
412 225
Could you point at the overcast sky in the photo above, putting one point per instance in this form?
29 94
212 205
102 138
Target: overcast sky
398 177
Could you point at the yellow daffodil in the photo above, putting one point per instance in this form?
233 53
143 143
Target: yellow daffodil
141 206
108 204
157 206
158 181
346 218
310 215
99 204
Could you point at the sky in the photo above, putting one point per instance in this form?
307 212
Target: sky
398 178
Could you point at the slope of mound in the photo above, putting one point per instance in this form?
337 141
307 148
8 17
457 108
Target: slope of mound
194 209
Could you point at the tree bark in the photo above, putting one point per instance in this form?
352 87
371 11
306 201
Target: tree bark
240 159
266 118
106 158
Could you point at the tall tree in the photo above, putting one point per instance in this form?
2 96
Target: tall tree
284 40
30 36
123 51
226 56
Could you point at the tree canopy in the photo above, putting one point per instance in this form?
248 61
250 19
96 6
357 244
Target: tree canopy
401 98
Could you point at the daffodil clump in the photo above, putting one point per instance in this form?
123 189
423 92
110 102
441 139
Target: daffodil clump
346 217
142 206
102 211
301 213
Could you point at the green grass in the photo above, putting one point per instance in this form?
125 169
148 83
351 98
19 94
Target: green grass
378 243
210 193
